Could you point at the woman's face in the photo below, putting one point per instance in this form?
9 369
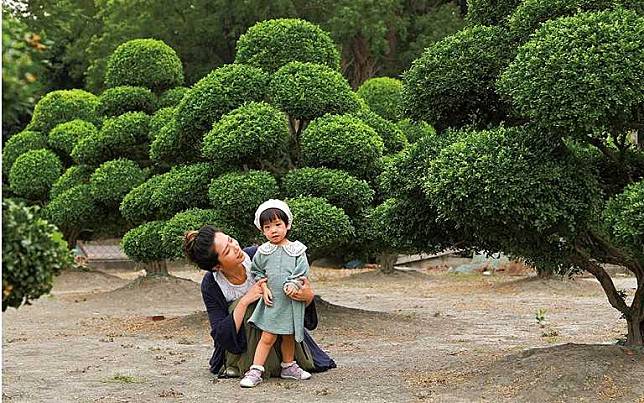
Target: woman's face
228 250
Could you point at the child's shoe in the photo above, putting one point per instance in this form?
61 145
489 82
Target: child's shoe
253 377
293 371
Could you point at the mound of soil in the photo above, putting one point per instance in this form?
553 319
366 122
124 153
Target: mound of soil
85 281
568 372
159 291
554 286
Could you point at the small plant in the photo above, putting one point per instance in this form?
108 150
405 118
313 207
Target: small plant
540 317
118 378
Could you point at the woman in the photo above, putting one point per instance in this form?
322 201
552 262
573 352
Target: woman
230 293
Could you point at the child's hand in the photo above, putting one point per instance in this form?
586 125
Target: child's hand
267 296
290 289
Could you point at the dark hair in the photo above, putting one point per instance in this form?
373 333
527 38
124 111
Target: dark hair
198 247
271 214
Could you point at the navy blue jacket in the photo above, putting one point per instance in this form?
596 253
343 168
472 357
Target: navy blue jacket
227 338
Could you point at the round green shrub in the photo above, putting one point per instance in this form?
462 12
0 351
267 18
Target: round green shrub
452 83
490 12
238 194
161 118
62 106
33 252
272 44
146 63
74 175
114 179
577 75
624 219
19 144
392 137
506 196
118 100
167 146
137 206
342 142
307 90
382 94
73 209
224 89
172 97
33 174
144 243
65 136
174 229
414 131
182 188
119 137
322 227
530 14
338 187
247 135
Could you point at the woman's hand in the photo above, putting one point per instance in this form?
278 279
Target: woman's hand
254 293
305 293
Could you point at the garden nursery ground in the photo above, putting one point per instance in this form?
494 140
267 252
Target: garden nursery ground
416 335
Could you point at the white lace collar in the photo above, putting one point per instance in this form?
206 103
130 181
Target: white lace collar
291 248
234 291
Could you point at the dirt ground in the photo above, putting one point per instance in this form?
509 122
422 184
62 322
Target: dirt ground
423 335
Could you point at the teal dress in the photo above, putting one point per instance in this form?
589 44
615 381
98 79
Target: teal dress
281 265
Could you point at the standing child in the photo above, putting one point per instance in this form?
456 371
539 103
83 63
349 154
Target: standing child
283 263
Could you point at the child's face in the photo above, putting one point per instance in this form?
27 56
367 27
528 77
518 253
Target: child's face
274 231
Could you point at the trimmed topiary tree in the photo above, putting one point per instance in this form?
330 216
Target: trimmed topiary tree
144 245
33 252
490 12
34 173
64 137
119 100
73 211
175 228
146 63
382 94
414 131
74 175
19 144
271 44
172 97
452 83
62 106
114 179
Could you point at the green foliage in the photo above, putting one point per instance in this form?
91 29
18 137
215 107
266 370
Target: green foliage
452 83
65 136
221 91
248 135
73 210
62 106
490 12
530 14
342 142
322 227
33 174
503 195
19 144
119 137
137 206
182 188
414 131
382 94
172 97
392 137
174 229
161 118
307 90
22 66
338 187
146 63
33 252
592 95
167 145
74 175
272 44
624 218
144 243
238 194
114 179
118 100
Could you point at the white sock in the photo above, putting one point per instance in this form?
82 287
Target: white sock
259 367
287 364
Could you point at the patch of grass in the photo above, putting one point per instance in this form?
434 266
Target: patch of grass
119 378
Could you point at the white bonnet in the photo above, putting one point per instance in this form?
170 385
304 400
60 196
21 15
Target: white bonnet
273 203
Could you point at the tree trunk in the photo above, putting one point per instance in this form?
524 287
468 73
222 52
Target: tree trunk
156 268
636 320
386 262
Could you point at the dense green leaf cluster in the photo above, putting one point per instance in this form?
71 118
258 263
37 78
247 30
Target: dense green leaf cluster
238 194
19 144
624 218
65 136
118 100
382 94
62 106
33 174
114 179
